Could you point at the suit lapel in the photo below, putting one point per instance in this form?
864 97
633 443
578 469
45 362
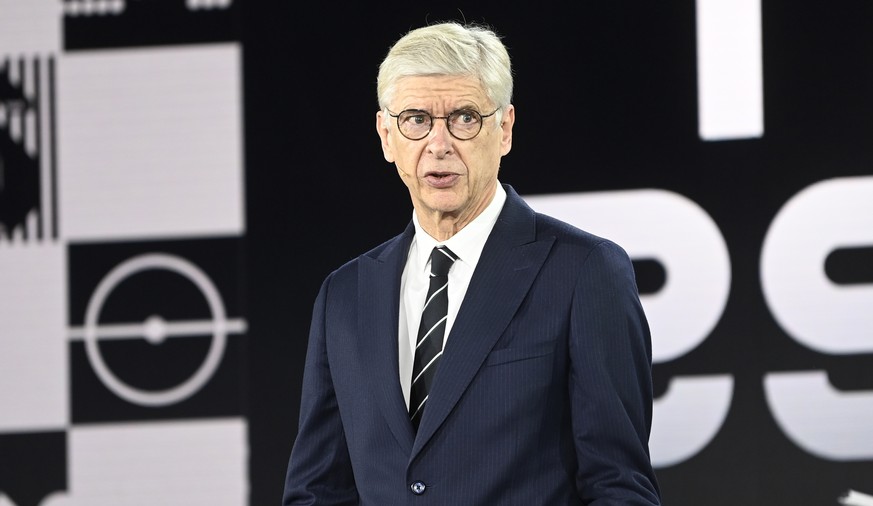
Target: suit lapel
510 261
379 297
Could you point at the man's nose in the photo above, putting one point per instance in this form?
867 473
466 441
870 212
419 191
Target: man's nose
439 140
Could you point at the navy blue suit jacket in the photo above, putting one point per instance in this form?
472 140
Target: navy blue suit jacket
543 395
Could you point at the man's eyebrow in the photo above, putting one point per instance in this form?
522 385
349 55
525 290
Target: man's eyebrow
466 107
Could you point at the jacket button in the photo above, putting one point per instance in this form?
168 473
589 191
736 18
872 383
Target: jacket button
418 487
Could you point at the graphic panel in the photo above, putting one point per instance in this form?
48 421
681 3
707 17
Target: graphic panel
166 463
150 143
156 330
33 356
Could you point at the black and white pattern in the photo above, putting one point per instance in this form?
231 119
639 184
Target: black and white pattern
121 227
431 332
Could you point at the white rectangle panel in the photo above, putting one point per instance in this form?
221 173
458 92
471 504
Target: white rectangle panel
33 341
150 143
729 69
177 463
30 26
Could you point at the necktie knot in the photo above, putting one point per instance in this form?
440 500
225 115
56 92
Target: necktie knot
441 260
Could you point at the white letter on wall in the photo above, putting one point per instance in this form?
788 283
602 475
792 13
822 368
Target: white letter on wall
729 69
821 315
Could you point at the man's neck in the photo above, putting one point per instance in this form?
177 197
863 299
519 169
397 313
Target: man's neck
442 226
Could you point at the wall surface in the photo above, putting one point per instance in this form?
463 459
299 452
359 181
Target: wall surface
177 178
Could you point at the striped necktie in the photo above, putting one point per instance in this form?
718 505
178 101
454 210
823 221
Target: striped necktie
431 331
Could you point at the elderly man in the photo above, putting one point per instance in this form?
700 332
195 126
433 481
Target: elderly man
487 355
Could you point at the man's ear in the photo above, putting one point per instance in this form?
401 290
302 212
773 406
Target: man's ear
506 126
382 130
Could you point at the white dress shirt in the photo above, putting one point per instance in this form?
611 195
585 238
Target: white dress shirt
467 244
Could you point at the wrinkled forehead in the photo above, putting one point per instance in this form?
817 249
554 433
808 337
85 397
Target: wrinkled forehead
438 91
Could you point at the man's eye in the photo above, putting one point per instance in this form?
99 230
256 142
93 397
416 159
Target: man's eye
465 117
412 119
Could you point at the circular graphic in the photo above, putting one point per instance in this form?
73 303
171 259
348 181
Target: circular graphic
153 329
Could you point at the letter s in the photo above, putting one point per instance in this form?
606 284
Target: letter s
821 315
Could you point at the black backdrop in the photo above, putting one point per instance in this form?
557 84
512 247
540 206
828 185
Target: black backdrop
606 99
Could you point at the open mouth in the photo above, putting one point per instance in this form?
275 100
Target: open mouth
441 179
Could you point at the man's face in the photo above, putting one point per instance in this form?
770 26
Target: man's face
447 178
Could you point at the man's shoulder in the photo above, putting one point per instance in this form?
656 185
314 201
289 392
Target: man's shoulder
377 254
567 232
575 242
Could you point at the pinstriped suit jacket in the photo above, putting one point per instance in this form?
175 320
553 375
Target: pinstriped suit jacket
543 395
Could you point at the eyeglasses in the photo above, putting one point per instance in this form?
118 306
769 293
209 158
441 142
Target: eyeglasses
463 124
